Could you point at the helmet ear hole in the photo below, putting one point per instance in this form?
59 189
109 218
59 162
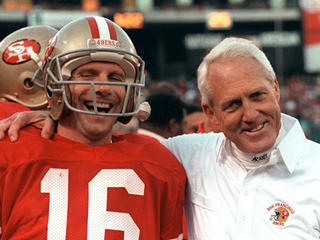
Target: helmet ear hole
27 83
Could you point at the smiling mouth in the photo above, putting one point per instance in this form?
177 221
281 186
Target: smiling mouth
257 128
101 107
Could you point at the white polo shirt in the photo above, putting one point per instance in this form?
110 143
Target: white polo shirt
279 200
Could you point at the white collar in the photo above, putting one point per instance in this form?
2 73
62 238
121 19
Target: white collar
290 147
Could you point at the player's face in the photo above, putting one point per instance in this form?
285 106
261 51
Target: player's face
245 103
93 128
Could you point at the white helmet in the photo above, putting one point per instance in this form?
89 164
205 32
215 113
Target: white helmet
22 53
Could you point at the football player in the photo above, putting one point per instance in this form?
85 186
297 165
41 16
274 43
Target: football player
86 183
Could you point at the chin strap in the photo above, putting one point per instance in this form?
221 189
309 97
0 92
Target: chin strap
144 111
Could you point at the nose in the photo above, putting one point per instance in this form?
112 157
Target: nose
104 88
250 113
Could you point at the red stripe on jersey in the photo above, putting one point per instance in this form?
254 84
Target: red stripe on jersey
93 27
112 30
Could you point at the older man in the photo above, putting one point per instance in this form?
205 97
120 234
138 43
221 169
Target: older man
259 177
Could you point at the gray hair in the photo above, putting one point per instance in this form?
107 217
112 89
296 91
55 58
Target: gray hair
230 47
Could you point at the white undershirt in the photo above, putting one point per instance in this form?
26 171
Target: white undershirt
253 160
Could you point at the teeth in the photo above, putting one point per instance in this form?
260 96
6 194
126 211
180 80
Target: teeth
257 128
103 105
99 105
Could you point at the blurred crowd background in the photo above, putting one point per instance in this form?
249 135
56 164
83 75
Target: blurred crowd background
172 36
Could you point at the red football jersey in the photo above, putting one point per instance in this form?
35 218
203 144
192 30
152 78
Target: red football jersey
60 189
9 108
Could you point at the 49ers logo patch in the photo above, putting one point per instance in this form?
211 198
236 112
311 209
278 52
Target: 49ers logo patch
21 51
98 42
280 213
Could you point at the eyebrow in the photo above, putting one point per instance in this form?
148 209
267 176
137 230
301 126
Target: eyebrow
233 99
86 70
93 71
226 103
258 89
117 73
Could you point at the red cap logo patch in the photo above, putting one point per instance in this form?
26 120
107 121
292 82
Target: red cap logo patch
280 213
21 51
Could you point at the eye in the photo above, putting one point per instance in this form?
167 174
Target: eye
116 78
257 95
86 75
232 106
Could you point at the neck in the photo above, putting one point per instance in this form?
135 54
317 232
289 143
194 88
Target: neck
75 135
253 160
249 160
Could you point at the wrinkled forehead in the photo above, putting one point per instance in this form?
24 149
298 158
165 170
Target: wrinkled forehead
227 66
228 73
100 66
99 60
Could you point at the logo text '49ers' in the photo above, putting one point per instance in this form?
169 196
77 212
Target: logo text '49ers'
21 51
99 42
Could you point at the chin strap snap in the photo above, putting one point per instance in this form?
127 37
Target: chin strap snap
144 111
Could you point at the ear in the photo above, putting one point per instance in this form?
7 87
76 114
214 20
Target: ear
276 89
212 117
173 127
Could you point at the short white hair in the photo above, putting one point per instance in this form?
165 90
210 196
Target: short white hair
230 47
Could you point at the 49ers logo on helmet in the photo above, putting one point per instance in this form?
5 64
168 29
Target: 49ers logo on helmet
21 51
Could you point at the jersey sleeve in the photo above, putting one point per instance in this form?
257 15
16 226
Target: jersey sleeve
172 213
